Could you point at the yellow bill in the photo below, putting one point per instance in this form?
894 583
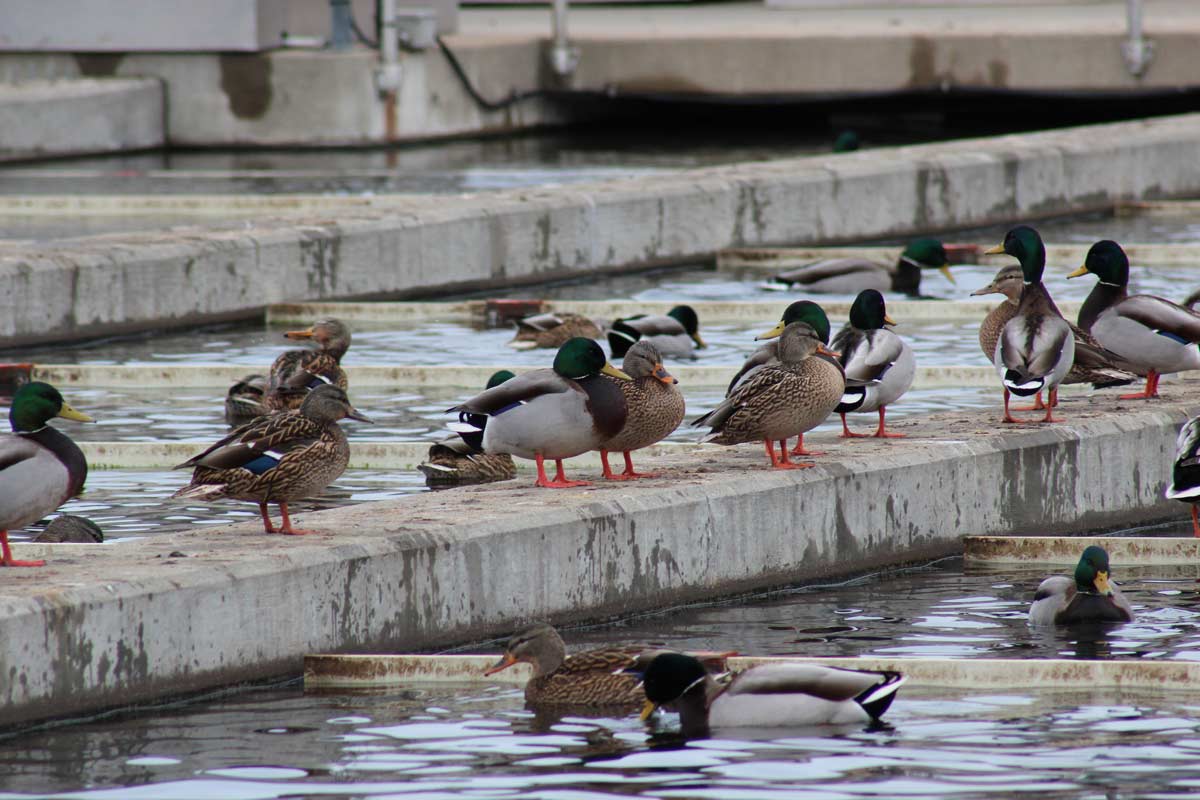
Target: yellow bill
771 334
995 251
945 270
647 710
1081 271
613 372
1101 582
66 412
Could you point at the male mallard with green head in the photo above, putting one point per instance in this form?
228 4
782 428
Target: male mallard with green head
296 372
1036 347
552 413
675 334
879 364
853 275
40 467
452 462
769 695
654 408
277 458
1185 473
1156 335
1088 597
779 401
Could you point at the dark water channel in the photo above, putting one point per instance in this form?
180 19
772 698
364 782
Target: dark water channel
482 743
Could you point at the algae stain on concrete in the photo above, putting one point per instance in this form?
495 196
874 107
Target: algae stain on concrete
246 82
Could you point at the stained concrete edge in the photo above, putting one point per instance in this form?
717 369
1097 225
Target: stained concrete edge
186 612
92 285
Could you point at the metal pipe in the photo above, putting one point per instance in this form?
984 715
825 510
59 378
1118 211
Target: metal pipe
563 57
341 34
1138 50
388 75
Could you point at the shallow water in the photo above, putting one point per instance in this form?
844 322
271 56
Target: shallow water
483 743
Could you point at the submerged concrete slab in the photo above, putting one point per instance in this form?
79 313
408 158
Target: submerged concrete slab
182 612
1122 551
77 117
98 285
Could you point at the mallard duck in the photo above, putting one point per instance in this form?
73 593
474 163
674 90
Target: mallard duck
1093 364
277 458
853 275
552 330
879 365
1185 476
676 334
40 467
1155 334
1088 597
780 400
1036 347
70 528
452 462
654 408
548 413
799 311
244 400
769 695
296 372
603 676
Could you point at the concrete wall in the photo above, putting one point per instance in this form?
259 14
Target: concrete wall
132 622
100 284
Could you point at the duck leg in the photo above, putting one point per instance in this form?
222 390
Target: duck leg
1050 407
287 523
1037 404
799 450
846 434
782 462
7 560
1195 521
560 480
267 524
1150 391
880 433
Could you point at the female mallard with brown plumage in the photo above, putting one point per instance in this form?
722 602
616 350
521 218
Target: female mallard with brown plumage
1036 348
244 400
1087 597
277 458
596 677
452 462
296 372
552 413
654 408
40 467
778 401
552 329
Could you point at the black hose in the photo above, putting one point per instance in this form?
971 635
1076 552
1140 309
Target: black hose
513 98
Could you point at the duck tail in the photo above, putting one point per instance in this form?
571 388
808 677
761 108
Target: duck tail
852 399
878 699
470 429
1022 385
621 337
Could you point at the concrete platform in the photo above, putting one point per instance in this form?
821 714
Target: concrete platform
78 117
1122 551
97 285
184 612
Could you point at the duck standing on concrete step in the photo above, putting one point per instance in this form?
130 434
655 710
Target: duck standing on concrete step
452 462
1036 347
277 458
297 372
1093 363
40 467
879 365
769 695
1156 335
675 334
552 330
781 400
1185 475
654 408
1086 598
799 311
853 275
552 413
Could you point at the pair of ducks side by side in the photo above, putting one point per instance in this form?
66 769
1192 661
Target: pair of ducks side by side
675 334
696 684
1036 349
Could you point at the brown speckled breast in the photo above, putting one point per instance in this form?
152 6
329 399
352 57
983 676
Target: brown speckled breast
654 410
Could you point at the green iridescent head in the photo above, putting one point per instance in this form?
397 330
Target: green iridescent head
582 358
37 403
1025 244
868 311
802 311
1108 262
499 378
687 317
1091 573
928 253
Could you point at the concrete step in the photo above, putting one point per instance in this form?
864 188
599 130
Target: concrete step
76 117
1140 551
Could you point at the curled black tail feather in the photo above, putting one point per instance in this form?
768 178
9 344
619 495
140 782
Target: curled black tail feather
472 439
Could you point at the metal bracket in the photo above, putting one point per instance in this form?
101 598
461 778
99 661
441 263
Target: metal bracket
1137 49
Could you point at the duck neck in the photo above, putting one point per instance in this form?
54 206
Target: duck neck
907 277
548 657
66 451
1035 297
693 709
1102 297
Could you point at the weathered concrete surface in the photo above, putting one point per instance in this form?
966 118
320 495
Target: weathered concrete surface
137 622
95 285
75 117
1122 551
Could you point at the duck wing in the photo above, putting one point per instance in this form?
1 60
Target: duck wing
273 436
1033 344
827 683
1185 476
831 268
1052 597
763 356
514 391
1161 316
541 322
867 355
655 325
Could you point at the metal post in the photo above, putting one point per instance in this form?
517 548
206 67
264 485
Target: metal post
563 57
1138 50
341 34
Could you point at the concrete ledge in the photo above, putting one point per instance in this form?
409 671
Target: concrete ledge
64 118
133 623
96 285
1122 551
